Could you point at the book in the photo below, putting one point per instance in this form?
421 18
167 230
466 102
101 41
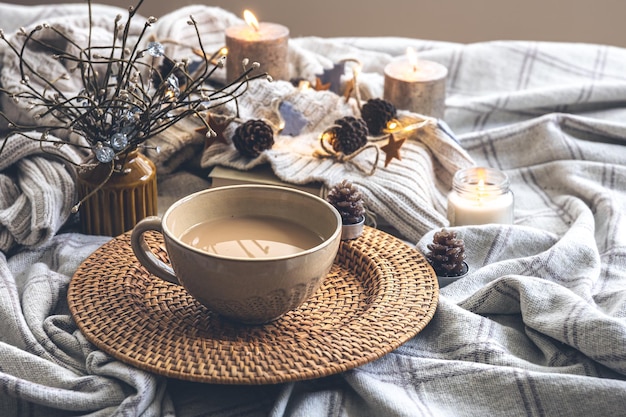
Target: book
221 176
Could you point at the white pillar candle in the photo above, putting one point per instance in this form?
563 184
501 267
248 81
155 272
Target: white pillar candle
480 196
416 85
265 43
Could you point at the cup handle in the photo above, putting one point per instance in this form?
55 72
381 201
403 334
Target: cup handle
143 252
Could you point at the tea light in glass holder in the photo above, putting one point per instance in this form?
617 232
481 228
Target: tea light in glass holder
480 195
416 85
265 43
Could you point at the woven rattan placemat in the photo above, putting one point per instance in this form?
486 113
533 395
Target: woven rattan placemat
379 294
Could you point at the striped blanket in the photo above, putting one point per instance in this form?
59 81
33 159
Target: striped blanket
537 328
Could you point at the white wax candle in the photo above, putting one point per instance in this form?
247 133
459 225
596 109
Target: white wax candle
416 85
467 211
265 43
480 196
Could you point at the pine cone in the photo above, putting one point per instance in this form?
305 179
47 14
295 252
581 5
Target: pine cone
447 254
253 137
347 199
350 135
377 113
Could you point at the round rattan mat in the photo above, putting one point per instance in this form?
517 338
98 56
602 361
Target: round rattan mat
379 293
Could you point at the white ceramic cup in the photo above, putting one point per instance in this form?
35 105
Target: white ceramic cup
246 290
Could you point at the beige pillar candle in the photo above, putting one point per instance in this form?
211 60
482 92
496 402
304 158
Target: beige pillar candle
265 43
416 85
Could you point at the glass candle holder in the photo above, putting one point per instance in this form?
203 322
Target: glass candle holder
480 195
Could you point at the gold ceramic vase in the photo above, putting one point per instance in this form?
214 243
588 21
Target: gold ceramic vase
129 195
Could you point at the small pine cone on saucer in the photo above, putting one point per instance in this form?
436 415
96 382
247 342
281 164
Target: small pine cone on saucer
447 254
349 135
347 199
377 113
253 137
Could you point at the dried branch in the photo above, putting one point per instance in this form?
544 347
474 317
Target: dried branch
125 99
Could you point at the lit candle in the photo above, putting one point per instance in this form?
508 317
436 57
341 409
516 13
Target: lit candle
416 85
265 43
480 196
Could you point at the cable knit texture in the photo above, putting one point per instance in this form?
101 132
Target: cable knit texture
38 190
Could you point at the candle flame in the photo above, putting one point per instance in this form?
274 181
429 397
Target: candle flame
480 187
412 57
251 19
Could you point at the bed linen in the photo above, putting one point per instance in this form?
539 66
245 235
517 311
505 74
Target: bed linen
537 328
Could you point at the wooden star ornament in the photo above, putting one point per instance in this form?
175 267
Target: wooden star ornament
392 149
294 121
319 86
218 127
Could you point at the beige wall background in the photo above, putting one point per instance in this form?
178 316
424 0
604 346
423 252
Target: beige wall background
465 21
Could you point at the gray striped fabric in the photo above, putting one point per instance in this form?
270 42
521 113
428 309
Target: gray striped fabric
538 327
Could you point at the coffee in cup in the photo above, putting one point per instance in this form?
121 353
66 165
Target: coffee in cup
250 253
